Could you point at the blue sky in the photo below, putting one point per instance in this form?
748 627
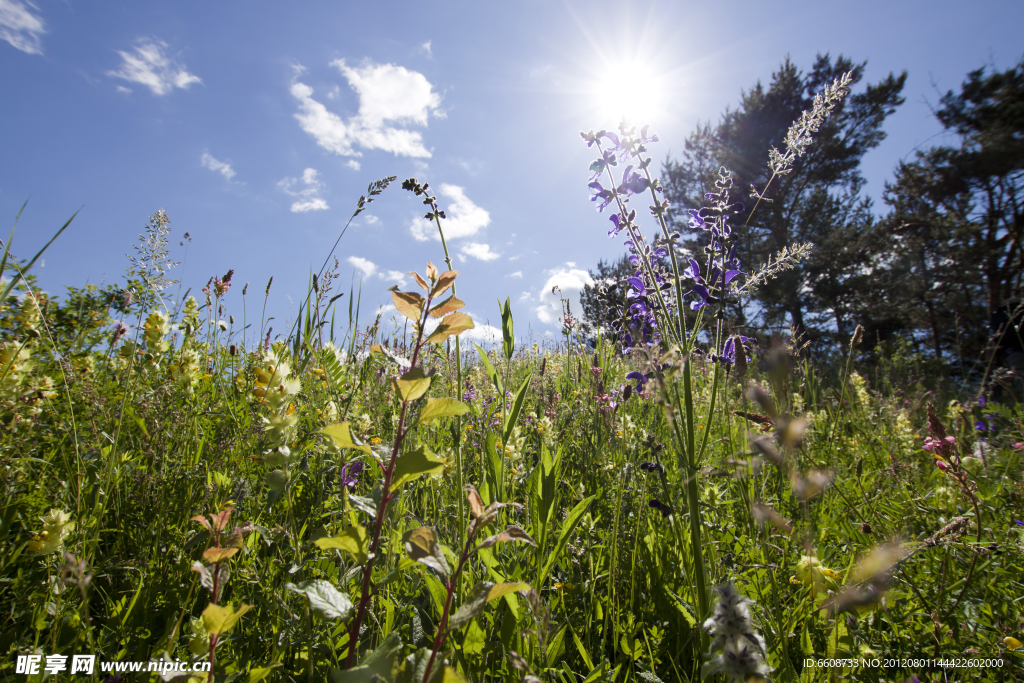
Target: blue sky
256 125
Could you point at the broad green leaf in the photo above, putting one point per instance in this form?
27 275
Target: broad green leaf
490 370
409 304
220 618
414 463
449 305
259 673
556 647
422 546
412 384
352 540
452 324
365 504
490 448
380 663
442 407
568 527
482 593
341 435
517 407
475 640
324 599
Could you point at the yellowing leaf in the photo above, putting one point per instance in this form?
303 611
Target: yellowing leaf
220 618
352 540
476 503
412 384
414 463
341 435
446 279
453 324
408 304
214 555
442 407
449 305
481 594
431 270
420 281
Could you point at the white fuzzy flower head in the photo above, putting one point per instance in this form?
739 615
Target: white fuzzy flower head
741 648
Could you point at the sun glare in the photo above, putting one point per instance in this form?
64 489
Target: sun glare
628 90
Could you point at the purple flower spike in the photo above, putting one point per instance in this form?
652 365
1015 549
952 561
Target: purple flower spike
695 219
350 473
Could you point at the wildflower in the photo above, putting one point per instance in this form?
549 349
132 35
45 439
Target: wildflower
813 574
120 329
640 378
1018 522
741 649
665 510
350 473
469 394
56 526
652 467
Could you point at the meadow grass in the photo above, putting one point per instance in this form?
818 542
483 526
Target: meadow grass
353 503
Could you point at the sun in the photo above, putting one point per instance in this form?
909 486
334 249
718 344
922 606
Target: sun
630 90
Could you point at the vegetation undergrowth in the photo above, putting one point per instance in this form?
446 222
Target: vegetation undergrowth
346 503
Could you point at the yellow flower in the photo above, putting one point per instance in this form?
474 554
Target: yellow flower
375 440
56 526
1012 643
812 573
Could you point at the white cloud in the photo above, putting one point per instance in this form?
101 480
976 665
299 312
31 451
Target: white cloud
308 196
387 94
478 251
395 277
426 48
353 164
370 219
465 218
21 28
518 274
222 167
483 333
570 281
365 266
149 66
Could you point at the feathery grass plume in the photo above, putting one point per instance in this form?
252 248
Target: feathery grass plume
741 649
786 259
151 261
799 135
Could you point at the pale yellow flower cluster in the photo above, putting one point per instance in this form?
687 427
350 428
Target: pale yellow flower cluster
56 527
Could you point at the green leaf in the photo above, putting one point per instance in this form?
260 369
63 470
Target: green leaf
482 593
324 599
259 673
490 370
475 640
341 435
422 546
442 407
220 618
556 647
353 540
517 406
365 504
490 447
380 663
508 339
412 384
452 324
414 463
414 668
568 527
